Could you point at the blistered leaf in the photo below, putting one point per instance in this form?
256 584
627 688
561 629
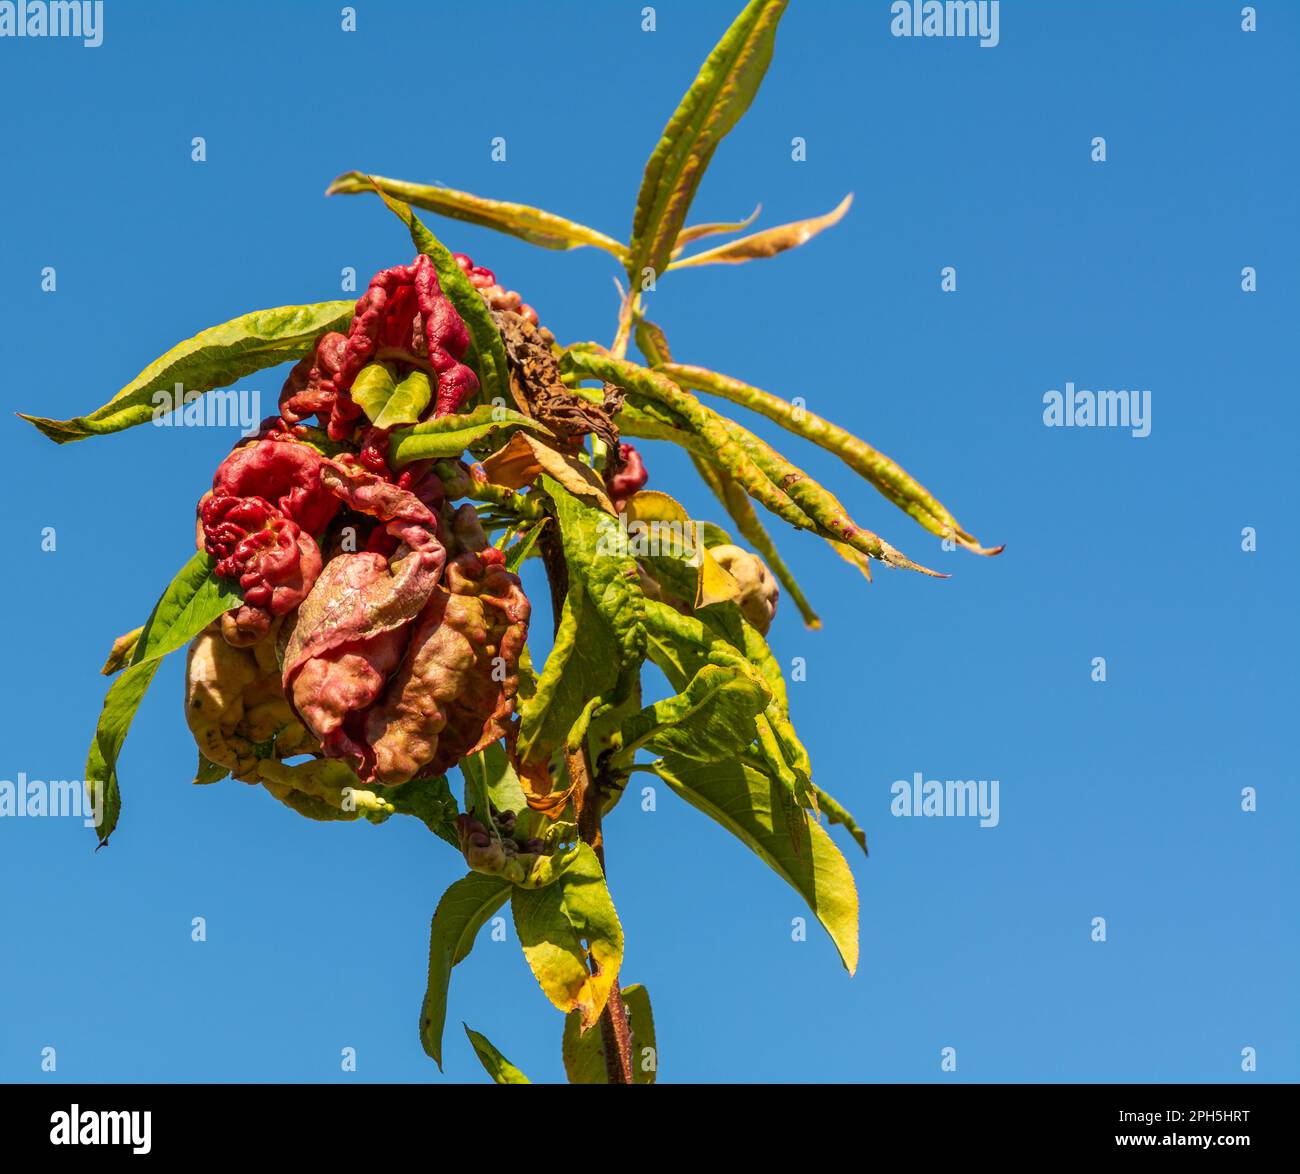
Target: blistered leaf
746 802
449 436
324 789
212 359
769 242
716 101
463 910
523 459
740 509
584 1053
488 355
494 1063
656 521
531 224
554 922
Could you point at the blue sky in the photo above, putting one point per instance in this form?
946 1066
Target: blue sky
1119 799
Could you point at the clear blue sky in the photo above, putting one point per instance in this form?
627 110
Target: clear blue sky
1118 800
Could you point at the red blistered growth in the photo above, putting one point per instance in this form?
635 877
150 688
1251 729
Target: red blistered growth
280 470
267 553
311 388
629 478
479 277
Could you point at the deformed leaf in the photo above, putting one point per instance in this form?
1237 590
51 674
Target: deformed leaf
463 910
584 1054
531 224
212 359
494 1063
523 459
661 533
715 102
209 772
745 801
449 436
769 242
553 923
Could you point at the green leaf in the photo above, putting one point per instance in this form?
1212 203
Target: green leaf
584 1054
554 922
212 359
123 699
600 644
388 403
193 599
449 436
463 910
749 804
495 1064
489 772
836 812
716 101
712 718
429 800
209 772
534 225
489 352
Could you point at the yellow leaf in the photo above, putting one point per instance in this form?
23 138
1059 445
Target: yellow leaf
769 242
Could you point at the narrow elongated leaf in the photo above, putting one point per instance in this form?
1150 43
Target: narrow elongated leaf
489 353
554 922
694 232
769 242
745 801
193 599
123 699
449 436
463 910
716 101
212 359
885 475
766 475
836 812
584 1054
494 1063
531 224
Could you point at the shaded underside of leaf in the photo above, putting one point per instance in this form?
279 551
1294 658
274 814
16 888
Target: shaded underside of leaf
494 1063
